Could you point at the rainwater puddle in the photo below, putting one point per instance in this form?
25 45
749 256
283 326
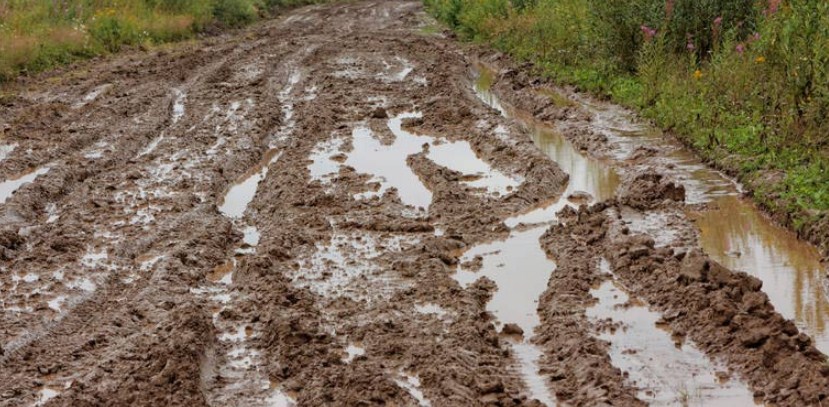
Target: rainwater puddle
586 174
627 135
412 385
322 166
483 88
280 399
251 235
521 270
152 146
664 373
9 187
97 151
406 69
459 156
388 162
45 394
660 225
92 95
56 303
236 201
5 150
353 351
738 236
178 105
431 309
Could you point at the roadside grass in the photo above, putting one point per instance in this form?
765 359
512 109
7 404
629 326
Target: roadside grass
37 35
745 83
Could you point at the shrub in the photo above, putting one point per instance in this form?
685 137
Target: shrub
113 31
235 13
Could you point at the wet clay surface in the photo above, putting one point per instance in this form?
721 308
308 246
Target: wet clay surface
669 204
281 216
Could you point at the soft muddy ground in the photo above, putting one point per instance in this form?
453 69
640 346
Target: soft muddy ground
341 207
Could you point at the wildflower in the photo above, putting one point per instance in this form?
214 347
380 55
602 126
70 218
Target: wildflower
740 48
774 5
718 21
648 32
697 74
760 59
755 37
690 46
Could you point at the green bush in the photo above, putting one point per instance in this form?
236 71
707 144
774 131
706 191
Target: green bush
112 31
236 13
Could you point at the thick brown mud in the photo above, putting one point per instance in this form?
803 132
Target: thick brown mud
324 209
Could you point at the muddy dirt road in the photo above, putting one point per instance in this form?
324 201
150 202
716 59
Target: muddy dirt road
344 206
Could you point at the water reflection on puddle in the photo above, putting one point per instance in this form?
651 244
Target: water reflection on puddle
521 270
236 201
412 385
586 174
459 156
9 187
352 352
664 373
5 150
735 234
388 162
388 165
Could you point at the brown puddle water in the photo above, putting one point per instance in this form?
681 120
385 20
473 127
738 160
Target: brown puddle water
734 231
9 187
520 269
665 373
737 235
586 174
516 299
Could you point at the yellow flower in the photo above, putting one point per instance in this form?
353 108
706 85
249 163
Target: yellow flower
760 59
697 74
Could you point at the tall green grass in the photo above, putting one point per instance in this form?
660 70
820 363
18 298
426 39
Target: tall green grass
40 34
745 82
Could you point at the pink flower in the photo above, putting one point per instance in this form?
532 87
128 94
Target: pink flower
648 32
718 21
690 46
755 37
740 48
774 6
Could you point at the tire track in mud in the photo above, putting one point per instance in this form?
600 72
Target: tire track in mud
648 224
218 227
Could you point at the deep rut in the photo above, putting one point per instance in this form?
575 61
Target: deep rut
278 216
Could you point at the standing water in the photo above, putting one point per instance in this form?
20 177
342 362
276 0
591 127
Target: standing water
737 235
9 187
664 372
516 298
733 231
520 269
